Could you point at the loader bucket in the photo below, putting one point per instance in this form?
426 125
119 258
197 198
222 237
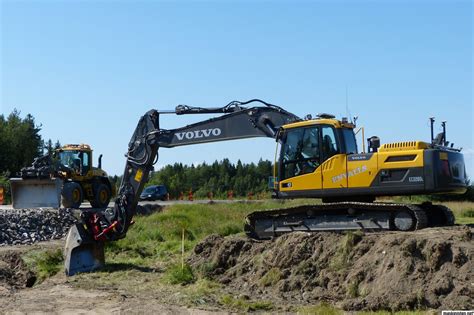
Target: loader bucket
82 253
36 193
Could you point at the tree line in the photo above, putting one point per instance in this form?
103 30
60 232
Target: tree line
217 178
20 144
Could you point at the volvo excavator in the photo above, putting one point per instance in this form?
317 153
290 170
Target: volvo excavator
319 158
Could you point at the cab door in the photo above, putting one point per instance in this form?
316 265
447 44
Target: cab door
334 162
300 160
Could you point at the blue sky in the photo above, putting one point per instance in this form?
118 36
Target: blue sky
88 70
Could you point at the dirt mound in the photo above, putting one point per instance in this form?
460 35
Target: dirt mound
432 268
14 274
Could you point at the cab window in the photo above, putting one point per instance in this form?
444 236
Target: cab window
350 141
85 162
300 152
329 143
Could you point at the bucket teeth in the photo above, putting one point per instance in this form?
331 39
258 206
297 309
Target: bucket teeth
82 253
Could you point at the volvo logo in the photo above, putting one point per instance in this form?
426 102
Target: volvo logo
196 134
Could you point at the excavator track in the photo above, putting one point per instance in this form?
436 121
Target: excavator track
342 216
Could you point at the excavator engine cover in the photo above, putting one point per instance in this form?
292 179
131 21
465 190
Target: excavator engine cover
82 253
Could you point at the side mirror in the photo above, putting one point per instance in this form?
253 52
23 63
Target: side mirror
373 143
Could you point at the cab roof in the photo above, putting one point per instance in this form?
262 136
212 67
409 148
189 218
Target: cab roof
319 121
80 147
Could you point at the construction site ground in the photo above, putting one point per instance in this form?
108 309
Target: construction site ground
427 270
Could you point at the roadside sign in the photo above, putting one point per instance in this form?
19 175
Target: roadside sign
2 197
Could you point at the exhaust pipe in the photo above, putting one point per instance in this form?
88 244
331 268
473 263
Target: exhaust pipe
82 253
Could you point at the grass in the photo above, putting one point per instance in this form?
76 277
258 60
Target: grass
202 291
463 211
319 309
44 263
245 305
179 274
353 288
342 259
271 277
157 237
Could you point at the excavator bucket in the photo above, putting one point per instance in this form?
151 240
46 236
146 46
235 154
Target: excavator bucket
36 193
82 253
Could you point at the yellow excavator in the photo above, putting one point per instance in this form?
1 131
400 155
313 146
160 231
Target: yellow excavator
64 177
319 158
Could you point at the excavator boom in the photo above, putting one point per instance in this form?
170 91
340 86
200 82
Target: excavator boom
84 243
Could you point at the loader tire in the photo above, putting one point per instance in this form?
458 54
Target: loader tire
72 195
102 196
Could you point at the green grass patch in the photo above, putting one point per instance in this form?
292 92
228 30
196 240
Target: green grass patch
44 263
342 258
463 211
179 274
245 305
271 277
202 291
157 237
353 288
319 309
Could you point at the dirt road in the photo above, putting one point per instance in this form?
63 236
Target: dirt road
61 295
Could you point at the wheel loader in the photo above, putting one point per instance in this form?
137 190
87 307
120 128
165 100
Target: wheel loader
318 158
64 177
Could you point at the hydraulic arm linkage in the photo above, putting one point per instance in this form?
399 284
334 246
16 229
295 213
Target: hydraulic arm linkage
84 244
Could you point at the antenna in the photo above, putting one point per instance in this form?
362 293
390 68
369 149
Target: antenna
348 112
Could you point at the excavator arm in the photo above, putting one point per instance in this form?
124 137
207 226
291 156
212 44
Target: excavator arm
84 244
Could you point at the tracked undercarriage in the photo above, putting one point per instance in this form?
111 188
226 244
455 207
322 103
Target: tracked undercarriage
343 216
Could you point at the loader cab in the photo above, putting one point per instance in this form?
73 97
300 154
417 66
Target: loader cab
76 157
313 154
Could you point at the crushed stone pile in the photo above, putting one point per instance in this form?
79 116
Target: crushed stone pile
432 268
28 226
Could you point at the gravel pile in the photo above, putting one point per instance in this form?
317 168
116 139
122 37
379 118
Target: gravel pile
28 226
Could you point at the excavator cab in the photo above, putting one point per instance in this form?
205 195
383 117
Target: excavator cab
77 160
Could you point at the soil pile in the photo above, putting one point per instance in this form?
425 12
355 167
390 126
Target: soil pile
28 226
14 274
432 268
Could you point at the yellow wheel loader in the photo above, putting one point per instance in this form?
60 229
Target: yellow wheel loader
319 158
65 177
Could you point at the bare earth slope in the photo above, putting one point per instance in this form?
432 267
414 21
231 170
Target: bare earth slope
432 268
